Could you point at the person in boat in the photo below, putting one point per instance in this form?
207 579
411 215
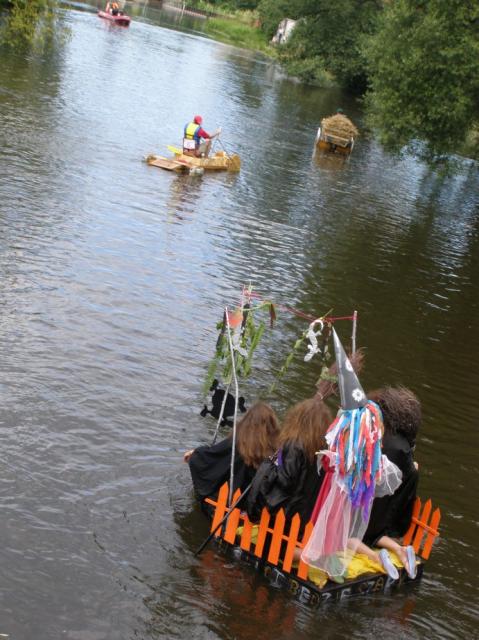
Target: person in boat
256 439
391 515
113 8
291 480
196 141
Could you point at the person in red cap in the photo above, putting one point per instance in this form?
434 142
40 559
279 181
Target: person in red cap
193 136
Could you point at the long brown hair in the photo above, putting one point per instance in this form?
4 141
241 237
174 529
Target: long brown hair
401 411
306 424
257 434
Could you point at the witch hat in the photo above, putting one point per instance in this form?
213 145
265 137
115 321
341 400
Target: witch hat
350 390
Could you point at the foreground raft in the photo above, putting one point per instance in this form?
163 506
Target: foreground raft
269 550
336 134
181 163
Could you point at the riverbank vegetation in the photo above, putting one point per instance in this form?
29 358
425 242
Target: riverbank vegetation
27 22
240 34
415 63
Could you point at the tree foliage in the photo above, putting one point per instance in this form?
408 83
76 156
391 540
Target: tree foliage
417 60
423 69
28 22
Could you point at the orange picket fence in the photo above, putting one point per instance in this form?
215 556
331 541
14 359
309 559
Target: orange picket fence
423 530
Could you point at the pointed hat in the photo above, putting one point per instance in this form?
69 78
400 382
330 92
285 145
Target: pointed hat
350 389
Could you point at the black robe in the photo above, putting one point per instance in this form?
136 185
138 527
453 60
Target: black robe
210 469
293 484
391 515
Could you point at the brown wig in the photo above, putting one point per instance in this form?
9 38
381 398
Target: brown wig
306 424
257 434
401 411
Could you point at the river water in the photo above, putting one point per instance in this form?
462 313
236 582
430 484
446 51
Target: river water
113 275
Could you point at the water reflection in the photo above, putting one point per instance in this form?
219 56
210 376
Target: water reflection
114 276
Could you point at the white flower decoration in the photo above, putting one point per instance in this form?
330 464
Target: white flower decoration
358 395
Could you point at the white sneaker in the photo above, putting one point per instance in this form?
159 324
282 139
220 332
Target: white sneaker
411 562
388 566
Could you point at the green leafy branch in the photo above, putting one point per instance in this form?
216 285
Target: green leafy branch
251 334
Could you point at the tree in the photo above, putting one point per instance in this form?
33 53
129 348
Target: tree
28 22
423 68
328 35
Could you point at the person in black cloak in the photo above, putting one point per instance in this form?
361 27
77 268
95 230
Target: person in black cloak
256 439
292 481
391 515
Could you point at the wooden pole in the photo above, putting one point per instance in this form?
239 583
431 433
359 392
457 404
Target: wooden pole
353 337
235 380
223 520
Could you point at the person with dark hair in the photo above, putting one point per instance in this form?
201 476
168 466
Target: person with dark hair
391 515
256 439
292 480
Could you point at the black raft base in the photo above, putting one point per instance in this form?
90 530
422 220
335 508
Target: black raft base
307 592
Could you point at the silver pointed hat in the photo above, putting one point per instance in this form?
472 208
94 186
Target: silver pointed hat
350 390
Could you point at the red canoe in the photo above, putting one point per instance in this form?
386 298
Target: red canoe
121 20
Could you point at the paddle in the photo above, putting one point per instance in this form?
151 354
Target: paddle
210 537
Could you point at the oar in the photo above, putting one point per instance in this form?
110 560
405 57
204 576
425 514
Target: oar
222 145
212 534
174 150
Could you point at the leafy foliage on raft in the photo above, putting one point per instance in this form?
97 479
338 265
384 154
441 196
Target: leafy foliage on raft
246 336
322 349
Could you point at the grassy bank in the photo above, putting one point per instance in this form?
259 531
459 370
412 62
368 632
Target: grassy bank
240 34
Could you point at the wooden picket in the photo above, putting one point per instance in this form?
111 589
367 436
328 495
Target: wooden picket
423 524
282 546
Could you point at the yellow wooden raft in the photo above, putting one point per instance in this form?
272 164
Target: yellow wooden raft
220 161
422 532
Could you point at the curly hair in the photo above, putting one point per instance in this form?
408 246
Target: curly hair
401 411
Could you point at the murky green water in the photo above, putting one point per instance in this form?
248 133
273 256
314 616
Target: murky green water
113 275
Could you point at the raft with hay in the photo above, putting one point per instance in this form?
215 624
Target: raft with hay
336 134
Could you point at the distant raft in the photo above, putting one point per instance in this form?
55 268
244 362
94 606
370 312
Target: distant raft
181 163
336 134
120 19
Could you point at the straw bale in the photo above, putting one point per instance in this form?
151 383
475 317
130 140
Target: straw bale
339 125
